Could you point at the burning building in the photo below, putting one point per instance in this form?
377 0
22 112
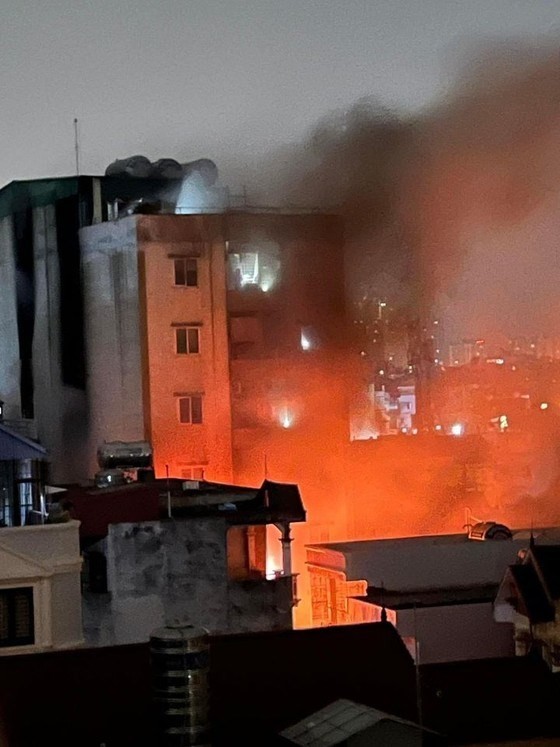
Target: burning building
130 314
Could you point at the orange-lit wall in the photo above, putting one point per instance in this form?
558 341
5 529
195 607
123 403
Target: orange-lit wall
167 374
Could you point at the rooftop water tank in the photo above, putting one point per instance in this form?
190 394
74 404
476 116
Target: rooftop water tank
135 166
180 671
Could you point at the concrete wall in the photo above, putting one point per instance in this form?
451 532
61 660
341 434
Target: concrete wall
9 348
165 572
168 375
177 571
66 604
112 333
431 562
60 410
456 632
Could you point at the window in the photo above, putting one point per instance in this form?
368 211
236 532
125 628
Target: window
186 272
253 265
187 340
190 409
16 617
192 473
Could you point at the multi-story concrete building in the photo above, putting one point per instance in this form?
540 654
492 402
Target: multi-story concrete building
214 335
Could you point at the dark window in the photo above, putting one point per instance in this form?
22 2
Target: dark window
186 272
187 340
16 617
190 409
71 296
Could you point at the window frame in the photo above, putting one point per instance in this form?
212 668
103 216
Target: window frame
183 276
200 411
187 329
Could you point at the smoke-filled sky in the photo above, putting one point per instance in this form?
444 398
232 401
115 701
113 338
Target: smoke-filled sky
435 123
227 79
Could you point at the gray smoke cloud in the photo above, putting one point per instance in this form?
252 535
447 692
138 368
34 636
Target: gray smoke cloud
453 213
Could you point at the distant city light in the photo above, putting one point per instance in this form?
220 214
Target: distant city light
381 372
503 423
499 361
457 429
544 405
305 342
438 427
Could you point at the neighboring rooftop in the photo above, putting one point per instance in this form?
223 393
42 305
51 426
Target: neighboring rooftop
96 507
402 600
338 722
15 446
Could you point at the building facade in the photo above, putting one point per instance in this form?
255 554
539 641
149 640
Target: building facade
40 594
438 591
214 337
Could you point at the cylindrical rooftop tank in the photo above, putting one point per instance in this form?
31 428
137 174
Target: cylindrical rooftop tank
204 169
124 454
135 166
180 670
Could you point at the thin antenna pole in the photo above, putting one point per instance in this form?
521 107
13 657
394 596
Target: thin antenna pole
265 466
76 146
417 665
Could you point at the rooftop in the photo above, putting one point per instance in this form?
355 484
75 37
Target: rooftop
15 446
96 507
400 600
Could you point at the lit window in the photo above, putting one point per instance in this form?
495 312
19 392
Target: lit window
16 617
186 272
190 409
253 265
187 340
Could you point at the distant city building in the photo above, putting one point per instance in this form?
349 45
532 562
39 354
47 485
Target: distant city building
465 352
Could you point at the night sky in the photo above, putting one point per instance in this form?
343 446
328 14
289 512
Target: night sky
227 79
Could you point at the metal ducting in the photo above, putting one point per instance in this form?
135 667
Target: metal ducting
167 168
204 169
139 167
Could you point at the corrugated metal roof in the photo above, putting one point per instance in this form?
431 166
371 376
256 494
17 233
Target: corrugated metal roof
14 446
336 723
